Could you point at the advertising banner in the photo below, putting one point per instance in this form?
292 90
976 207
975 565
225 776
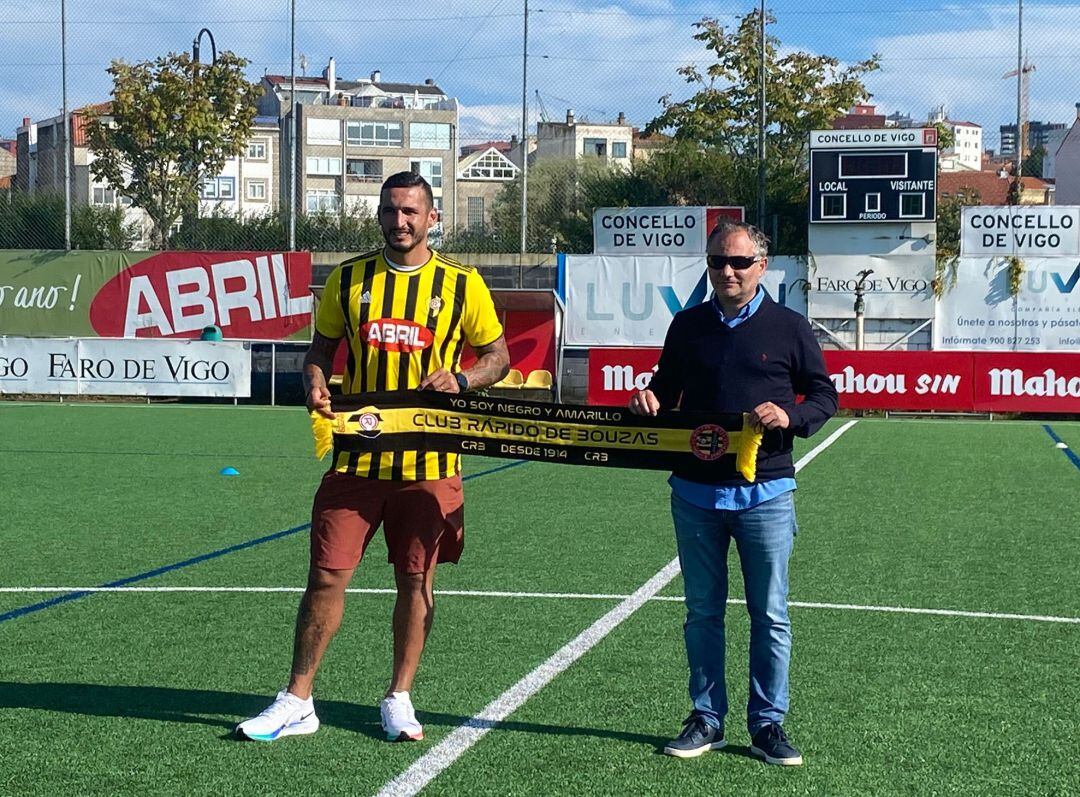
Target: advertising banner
902 380
630 301
1028 230
657 230
102 367
1011 382
899 286
979 314
614 374
250 295
894 380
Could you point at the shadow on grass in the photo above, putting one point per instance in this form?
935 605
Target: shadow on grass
206 707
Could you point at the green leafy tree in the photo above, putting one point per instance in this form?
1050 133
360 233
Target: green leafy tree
949 210
1033 163
803 92
171 124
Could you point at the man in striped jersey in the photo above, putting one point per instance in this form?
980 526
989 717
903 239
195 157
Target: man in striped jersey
405 313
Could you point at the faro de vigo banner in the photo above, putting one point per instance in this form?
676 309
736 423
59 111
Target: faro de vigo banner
125 367
630 301
250 295
894 380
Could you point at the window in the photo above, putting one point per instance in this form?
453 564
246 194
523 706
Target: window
912 206
492 166
362 170
873 203
374 134
834 206
255 190
595 147
618 149
222 189
330 166
323 131
430 169
322 201
475 217
256 149
104 195
429 135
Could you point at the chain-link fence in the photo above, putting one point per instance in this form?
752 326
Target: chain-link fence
628 102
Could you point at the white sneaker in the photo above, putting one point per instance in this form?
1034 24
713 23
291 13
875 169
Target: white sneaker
288 715
399 719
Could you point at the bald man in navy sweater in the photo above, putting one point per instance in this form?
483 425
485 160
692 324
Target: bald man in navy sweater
739 352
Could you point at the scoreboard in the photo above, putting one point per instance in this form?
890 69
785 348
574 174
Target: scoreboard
879 175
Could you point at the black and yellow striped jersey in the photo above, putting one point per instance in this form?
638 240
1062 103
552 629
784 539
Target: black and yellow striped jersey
400 326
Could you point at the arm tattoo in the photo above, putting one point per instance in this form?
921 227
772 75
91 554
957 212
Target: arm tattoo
492 364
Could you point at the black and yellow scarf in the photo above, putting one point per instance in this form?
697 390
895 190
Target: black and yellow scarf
497 427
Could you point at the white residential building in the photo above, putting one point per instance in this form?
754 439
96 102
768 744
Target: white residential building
612 143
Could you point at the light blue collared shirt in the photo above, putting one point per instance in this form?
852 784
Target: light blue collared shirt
709 496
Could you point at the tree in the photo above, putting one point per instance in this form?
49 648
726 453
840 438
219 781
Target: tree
1033 163
171 124
803 92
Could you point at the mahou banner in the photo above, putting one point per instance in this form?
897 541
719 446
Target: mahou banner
895 380
250 295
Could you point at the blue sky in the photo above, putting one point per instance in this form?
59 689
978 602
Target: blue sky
596 57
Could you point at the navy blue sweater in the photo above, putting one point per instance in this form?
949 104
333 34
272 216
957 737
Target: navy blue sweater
772 356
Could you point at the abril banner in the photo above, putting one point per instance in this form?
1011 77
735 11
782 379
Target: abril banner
630 301
979 313
125 367
250 295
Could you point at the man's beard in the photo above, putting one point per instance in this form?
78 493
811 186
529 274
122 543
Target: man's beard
401 246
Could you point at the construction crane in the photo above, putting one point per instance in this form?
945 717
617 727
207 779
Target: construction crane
541 106
1025 98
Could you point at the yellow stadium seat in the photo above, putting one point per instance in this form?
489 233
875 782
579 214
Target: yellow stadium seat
539 379
512 380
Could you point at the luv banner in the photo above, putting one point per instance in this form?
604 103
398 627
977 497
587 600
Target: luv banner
495 427
250 295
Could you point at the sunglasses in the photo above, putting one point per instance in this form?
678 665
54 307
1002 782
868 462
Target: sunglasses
737 262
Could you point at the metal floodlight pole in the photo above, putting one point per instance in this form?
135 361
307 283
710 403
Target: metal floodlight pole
761 130
292 129
524 132
65 124
1019 89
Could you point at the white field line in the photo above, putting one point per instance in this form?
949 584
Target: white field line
589 596
434 761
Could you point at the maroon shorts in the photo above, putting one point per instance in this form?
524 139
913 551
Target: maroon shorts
423 521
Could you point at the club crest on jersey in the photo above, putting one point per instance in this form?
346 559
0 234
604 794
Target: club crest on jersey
396 334
435 305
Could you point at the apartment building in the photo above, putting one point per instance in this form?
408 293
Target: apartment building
353 134
611 142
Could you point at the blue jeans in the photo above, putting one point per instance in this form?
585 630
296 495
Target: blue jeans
763 536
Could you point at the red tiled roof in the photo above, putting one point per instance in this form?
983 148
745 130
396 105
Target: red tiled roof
501 146
992 189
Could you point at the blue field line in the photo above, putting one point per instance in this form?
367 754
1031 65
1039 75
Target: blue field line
1073 458
123 582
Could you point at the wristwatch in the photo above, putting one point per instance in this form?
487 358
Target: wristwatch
462 381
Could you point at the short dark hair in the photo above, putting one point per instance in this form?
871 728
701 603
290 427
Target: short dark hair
408 180
724 228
